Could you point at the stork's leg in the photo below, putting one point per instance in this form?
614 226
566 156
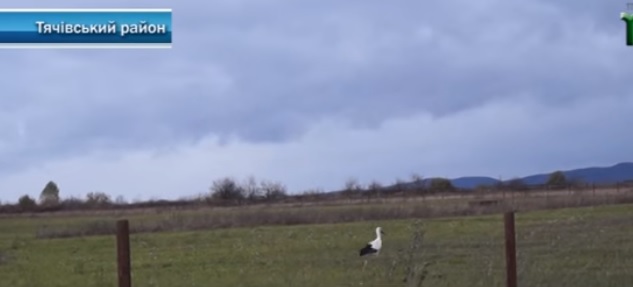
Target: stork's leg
364 264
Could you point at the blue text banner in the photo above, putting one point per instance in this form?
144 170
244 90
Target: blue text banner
86 28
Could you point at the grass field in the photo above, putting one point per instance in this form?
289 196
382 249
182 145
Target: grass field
578 247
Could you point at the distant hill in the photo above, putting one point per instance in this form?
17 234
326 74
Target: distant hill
473 181
598 175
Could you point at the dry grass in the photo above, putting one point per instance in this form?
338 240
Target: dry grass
264 215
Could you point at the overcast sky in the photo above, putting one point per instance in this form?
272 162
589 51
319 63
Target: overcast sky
311 93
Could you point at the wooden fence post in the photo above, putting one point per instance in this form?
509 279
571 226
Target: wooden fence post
123 253
510 242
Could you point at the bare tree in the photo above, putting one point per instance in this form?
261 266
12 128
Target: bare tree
311 194
418 182
517 184
352 187
227 190
120 200
273 190
399 185
374 188
252 190
416 178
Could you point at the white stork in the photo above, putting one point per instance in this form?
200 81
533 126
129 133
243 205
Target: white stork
373 247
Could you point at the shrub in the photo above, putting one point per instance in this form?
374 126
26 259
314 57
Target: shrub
557 179
98 199
27 203
440 184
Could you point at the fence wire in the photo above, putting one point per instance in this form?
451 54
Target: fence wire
576 247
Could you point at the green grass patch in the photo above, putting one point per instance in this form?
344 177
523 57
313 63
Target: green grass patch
582 247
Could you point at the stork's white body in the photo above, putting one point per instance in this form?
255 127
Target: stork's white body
376 244
373 247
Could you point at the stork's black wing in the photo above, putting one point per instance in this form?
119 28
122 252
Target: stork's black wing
367 250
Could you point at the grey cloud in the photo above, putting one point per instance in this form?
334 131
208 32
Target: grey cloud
266 70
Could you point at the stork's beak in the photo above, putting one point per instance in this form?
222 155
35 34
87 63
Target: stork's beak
383 233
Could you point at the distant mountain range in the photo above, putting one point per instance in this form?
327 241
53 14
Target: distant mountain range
599 175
